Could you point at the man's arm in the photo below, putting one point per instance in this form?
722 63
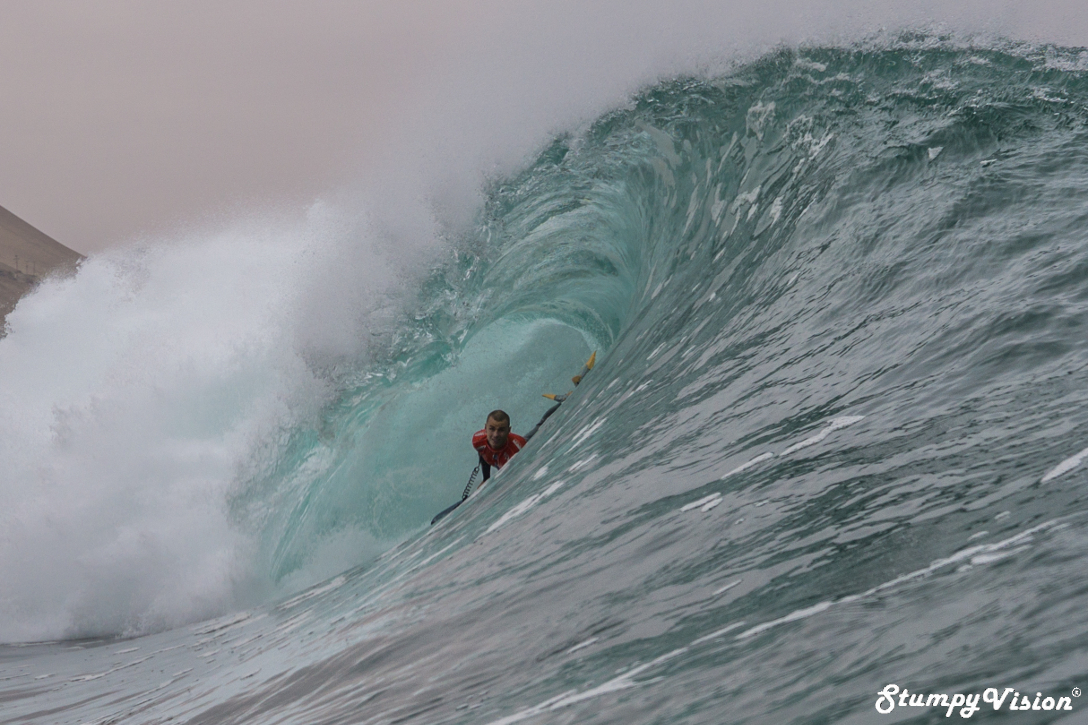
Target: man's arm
547 415
486 469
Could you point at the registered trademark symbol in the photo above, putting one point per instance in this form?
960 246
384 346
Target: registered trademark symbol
1076 692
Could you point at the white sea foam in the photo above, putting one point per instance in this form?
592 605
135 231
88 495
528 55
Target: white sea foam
727 587
700 503
755 461
623 681
836 424
710 504
586 432
139 395
578 465
1065 466
582 645
524 506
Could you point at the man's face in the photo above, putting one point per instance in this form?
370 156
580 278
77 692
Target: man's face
497 433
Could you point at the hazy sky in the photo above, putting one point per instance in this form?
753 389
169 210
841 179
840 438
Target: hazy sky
120 118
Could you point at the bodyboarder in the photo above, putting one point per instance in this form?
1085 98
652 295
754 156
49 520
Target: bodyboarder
495 444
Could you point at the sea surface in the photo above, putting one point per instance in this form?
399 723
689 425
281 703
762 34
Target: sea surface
836 437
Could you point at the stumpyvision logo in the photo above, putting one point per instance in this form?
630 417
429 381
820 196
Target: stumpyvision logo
969 703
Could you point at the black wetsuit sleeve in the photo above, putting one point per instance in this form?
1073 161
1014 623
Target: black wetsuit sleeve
536 427
486 469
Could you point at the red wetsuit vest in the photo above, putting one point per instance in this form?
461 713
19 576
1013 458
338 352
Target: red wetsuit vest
490 456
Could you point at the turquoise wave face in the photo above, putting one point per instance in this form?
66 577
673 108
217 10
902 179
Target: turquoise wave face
817 233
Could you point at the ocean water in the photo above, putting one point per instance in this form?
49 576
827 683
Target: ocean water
834 440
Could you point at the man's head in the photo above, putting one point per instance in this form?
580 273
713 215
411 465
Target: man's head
497 429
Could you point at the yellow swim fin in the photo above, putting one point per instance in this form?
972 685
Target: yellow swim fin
586 368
